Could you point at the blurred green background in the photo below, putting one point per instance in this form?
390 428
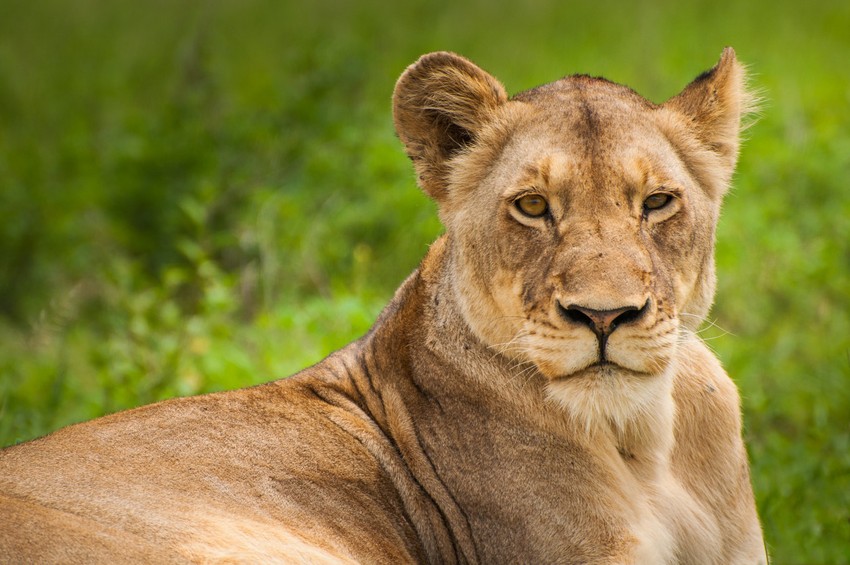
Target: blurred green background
197 196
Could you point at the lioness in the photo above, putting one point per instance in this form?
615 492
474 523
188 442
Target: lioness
534 393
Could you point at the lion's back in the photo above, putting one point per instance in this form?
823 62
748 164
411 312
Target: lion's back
212 477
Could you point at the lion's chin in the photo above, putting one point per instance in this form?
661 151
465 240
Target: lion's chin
603 369
606 394
593 370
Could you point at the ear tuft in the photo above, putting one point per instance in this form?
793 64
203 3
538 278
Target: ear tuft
440 104
715 106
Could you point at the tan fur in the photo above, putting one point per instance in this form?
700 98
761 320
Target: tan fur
534 392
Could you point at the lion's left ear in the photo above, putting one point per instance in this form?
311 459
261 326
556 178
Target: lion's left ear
713 106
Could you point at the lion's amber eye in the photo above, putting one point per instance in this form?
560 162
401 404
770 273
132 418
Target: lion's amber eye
657 201
532 205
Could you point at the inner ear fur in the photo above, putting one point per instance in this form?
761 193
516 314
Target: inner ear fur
440 104
713 106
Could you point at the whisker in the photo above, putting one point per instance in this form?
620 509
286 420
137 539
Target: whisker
687 337
513 343
524 375
708 324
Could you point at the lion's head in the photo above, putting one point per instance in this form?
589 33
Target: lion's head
580 216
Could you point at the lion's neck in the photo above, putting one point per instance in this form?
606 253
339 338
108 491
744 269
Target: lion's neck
645 441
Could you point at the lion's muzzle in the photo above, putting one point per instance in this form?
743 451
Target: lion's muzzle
602 322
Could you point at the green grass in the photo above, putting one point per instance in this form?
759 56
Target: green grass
197 196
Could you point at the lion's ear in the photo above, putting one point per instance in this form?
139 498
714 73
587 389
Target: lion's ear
714 105
440 103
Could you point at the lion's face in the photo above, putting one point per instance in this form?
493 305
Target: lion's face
581 217
585 243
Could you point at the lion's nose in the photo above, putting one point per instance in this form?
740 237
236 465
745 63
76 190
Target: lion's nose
603 322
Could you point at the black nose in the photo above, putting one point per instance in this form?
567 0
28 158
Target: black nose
603 322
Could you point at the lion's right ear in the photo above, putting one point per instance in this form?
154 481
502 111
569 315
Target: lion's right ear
440 104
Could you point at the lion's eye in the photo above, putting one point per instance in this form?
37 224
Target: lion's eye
532 205
656 201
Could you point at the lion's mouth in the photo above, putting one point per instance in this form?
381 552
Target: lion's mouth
603 365
602 369
633 353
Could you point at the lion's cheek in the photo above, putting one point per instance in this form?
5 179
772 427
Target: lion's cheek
684 268
490 303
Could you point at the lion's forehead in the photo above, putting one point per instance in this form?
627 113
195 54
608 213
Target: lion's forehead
574 142
549 164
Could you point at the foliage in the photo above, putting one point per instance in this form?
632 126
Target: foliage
206 195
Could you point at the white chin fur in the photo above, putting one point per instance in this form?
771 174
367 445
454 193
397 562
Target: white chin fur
609 397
